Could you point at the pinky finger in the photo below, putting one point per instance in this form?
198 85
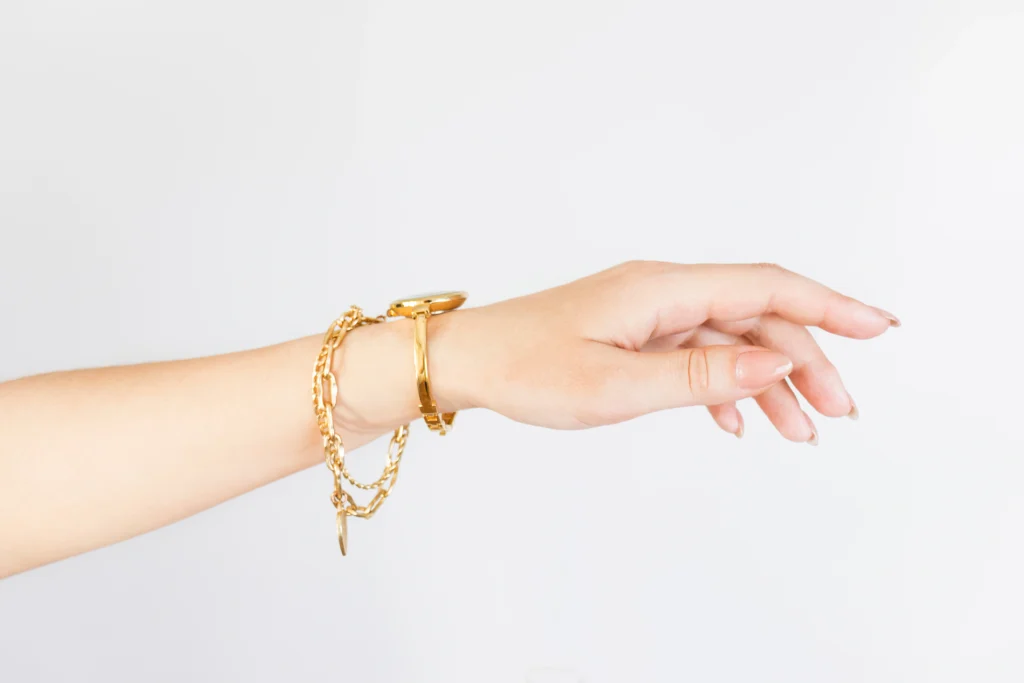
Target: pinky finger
728 418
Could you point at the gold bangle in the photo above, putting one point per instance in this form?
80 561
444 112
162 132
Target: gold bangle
325 398
420 309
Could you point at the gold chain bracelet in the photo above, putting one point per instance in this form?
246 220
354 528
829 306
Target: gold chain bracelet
325 397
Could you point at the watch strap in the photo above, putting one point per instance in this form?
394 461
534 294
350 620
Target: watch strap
436 421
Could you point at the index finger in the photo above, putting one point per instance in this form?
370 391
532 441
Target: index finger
728 293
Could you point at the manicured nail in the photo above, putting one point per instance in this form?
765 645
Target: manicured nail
739 429
854 414
759 369
814 431
893 320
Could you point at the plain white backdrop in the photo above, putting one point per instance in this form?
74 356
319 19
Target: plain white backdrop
185 178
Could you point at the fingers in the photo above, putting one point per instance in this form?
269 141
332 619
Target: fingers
783 409
728 417
779 403
813 374
686 296
700 376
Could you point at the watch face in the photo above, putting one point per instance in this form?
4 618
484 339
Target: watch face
435 302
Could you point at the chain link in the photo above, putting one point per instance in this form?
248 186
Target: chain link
325 398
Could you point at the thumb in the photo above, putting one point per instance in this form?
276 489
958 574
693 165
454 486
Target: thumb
707 376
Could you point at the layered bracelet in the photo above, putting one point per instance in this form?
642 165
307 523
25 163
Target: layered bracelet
325 398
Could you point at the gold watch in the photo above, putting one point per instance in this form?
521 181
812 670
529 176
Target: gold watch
420 308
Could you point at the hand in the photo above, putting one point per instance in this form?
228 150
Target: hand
645 336
634 339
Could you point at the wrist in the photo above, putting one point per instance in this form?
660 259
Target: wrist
455 376
375 369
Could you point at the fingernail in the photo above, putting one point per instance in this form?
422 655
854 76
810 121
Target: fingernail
758 369
854 414
893 320
814 431
739 430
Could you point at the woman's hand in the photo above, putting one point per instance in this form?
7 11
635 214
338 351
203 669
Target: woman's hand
647 336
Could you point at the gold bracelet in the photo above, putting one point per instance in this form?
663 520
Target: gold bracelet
325 397
420 309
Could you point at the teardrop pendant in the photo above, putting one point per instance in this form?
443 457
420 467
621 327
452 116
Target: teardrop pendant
343 532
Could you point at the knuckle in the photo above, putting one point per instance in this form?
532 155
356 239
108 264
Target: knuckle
770 267
756 333
634 266
638 272
698 376
644 267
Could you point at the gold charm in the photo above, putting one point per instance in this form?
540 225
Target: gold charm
343 531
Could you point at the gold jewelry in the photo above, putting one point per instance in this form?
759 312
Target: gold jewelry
420 308
325 397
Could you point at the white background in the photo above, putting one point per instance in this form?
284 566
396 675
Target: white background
184 178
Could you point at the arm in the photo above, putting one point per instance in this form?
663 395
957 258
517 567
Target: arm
91 457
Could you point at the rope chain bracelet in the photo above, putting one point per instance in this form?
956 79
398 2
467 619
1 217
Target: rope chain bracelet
325 398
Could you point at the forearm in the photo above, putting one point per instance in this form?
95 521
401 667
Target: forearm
91 457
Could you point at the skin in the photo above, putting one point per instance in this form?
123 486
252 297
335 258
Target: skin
92 457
